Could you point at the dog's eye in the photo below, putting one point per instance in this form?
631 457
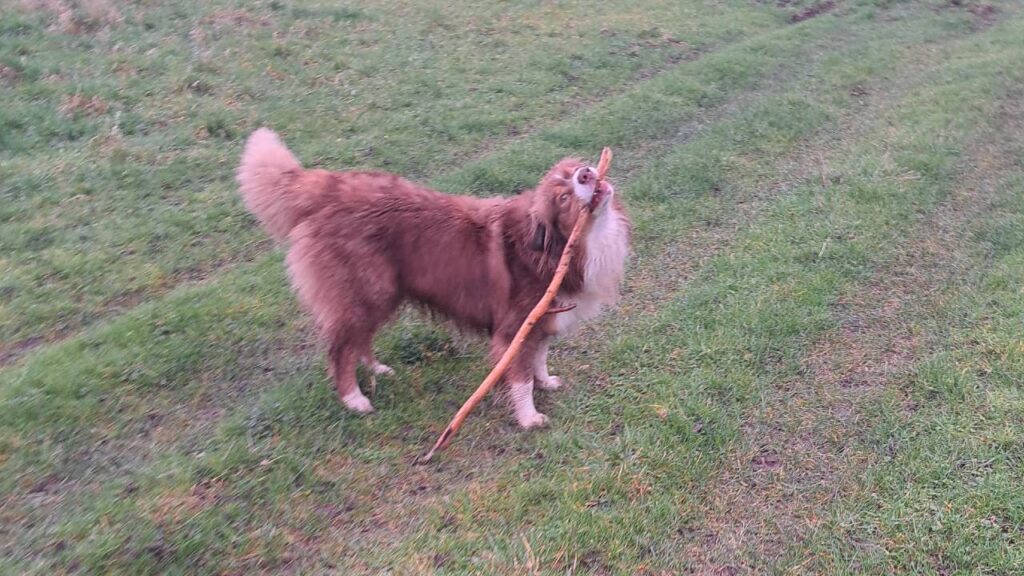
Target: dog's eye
563 198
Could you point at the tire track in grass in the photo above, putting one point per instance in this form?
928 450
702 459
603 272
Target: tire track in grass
689 57
803 447
122 303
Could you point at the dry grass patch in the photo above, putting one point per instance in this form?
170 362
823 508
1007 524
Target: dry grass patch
85 105
78 16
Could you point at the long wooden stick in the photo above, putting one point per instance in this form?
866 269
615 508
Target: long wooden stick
535 315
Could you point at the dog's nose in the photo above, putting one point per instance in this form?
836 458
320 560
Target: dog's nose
585 176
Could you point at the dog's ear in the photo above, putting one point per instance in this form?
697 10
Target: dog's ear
540 231
543 232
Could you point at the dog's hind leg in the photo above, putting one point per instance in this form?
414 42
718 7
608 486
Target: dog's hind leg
350 342
376 368
342 361
351 292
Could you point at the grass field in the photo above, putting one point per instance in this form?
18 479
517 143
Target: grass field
817 366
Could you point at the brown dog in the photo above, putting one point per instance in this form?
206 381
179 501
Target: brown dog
361 243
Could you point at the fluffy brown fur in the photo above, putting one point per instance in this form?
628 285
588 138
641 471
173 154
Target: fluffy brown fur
362 243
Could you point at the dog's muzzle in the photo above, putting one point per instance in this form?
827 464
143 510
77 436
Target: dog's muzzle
588 189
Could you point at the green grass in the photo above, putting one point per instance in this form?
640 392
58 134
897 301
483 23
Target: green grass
166 408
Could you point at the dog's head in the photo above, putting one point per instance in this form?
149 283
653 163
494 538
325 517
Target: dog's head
569 188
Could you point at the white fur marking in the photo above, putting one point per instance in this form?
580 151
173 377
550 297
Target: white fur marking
526 413
607 249
379 369
356 402
541 378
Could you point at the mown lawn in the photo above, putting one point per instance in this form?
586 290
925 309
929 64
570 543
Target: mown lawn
817 366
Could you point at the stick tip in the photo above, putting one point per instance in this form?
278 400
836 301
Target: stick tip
604 163
441 444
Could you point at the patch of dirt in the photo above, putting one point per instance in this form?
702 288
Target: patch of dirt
79 17
8 76
766 460
812 11
87 106
173 508
985 15
11 352
237 18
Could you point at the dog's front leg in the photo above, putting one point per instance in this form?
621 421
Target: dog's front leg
519 380
541 378
521 394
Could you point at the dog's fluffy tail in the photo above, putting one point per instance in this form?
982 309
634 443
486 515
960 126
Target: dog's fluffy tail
267 176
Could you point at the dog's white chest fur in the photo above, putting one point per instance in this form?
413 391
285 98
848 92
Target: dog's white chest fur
607 250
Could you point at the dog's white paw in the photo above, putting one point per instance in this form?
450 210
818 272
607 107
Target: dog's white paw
383 370
550 383
533 420
356 402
